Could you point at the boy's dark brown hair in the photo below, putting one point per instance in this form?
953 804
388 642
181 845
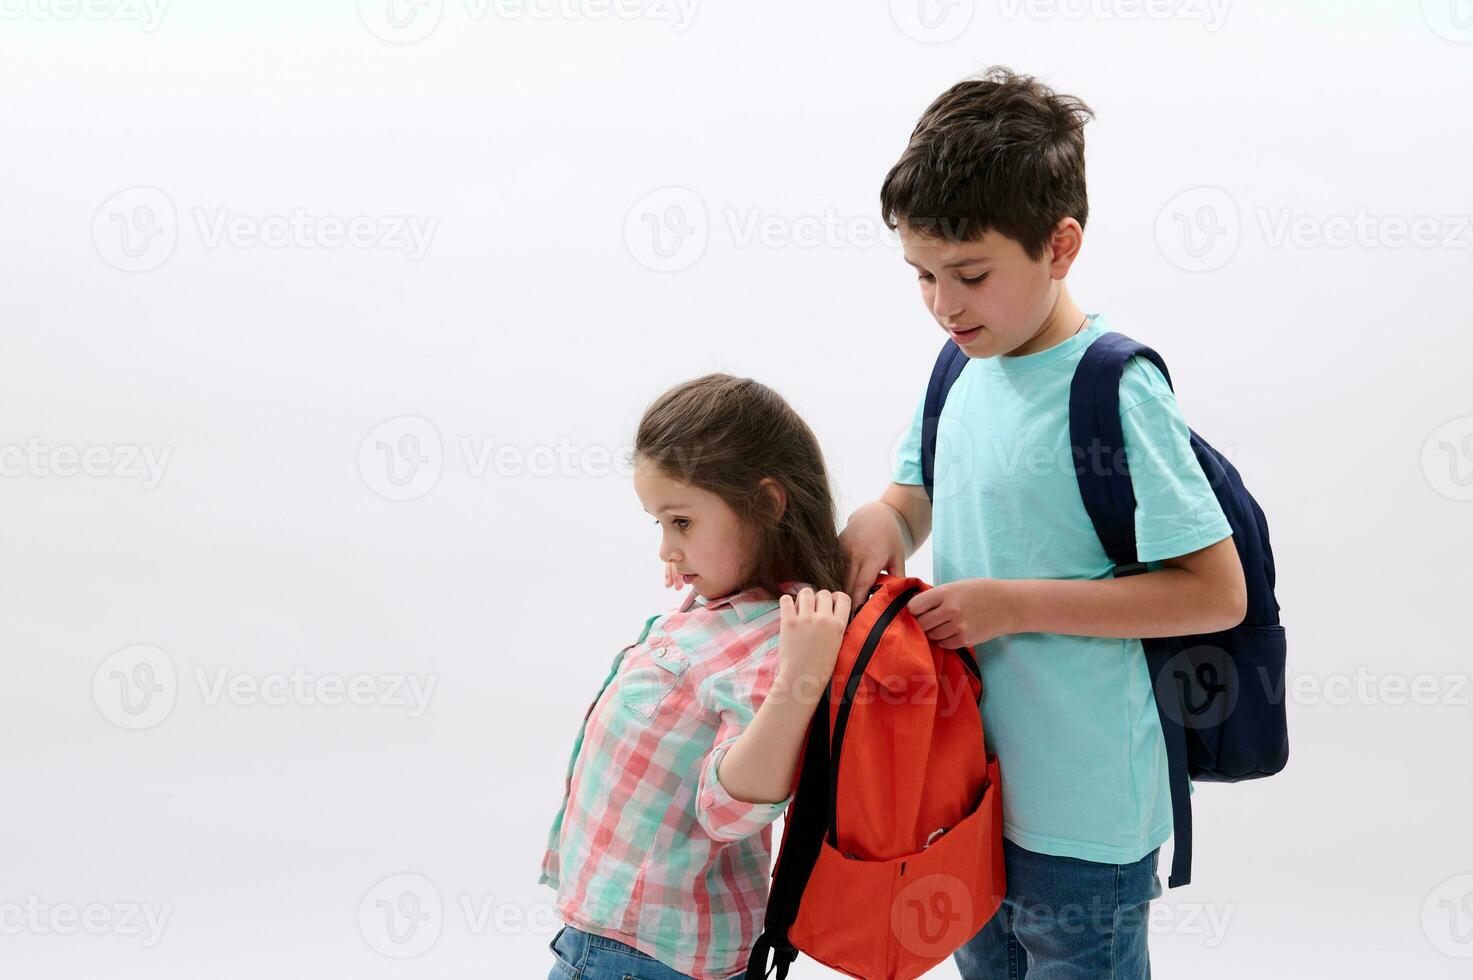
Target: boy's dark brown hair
724 434
997 152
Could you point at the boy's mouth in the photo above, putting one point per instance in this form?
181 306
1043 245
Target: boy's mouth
964 336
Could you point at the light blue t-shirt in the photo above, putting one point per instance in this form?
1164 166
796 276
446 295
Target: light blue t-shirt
1072 719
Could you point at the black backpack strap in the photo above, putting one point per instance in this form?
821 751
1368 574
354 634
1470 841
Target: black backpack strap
1098 443
948 368
803 833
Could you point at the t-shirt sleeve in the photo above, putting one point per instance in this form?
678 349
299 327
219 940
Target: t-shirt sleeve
905 466
1176 511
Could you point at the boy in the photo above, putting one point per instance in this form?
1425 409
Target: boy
989 202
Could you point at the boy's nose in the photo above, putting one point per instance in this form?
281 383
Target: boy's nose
946 306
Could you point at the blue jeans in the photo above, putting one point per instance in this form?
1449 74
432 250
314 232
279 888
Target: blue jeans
1066 919
584 956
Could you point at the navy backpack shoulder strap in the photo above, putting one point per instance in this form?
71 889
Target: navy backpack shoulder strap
948 368
1103 471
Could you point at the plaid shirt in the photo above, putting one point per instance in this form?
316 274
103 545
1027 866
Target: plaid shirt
648 848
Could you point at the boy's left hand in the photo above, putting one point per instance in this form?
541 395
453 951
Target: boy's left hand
966 613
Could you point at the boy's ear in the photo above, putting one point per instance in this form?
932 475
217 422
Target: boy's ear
1064 245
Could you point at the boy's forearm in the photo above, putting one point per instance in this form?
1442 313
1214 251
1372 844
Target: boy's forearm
1166 602
759 767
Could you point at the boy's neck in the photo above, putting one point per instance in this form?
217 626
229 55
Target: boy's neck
1064 320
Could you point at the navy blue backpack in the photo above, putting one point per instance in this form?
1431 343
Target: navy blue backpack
1220 696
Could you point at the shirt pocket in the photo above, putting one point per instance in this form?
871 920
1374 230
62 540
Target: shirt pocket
653 674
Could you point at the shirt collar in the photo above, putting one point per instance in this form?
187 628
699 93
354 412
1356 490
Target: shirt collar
746 603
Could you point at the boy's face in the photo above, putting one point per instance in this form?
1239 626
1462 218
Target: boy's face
987 295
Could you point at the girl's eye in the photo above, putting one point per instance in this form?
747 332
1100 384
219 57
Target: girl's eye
682 523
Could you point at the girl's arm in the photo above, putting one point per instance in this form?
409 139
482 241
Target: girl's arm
760 766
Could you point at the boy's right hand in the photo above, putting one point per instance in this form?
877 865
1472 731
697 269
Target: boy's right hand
873 542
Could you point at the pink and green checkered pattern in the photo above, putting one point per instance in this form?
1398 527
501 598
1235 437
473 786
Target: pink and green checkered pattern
648 848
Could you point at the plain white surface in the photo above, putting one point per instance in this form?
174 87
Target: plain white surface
527 335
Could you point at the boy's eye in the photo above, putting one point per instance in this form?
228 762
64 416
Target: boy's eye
924 277
973 281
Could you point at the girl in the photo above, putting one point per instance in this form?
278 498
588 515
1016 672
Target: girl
660 853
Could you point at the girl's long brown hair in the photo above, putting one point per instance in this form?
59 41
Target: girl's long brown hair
724 435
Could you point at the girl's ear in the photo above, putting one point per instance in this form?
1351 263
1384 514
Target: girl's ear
779 495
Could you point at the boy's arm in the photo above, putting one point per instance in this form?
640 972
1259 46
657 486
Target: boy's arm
1200 592
881 535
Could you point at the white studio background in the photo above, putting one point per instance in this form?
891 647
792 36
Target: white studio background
324 328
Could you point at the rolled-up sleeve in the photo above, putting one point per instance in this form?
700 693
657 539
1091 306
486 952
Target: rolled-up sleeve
735 695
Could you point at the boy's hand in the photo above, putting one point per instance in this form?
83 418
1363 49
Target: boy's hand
809 635
874 543
966 613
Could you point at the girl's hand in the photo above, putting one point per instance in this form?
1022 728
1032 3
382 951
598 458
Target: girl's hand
809 636
672 577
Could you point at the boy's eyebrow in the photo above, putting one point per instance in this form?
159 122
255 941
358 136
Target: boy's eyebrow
958 262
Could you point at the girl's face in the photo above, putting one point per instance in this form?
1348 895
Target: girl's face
698 532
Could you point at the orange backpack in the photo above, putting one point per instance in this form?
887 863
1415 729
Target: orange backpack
891 855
